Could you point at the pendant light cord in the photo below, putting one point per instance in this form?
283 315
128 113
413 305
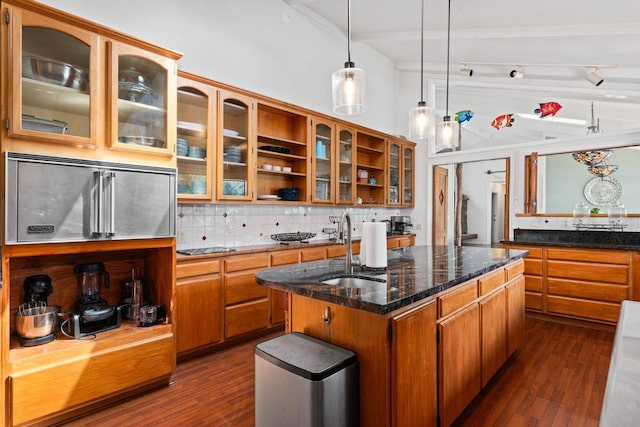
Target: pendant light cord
422 56
349 31
448 46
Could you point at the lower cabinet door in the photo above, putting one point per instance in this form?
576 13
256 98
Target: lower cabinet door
459 359
515 314
198 312
246 317
493 321
36 393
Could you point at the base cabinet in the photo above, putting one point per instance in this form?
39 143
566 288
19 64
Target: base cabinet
584 284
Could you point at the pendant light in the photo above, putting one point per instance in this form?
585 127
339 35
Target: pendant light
421 118
448 132
348 83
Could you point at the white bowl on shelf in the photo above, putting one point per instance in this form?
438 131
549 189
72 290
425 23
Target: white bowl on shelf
277 168
286 169
267 167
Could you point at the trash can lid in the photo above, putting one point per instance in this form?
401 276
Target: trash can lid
306 356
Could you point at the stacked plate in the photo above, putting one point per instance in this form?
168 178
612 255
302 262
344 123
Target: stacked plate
197 152
232 154
183 147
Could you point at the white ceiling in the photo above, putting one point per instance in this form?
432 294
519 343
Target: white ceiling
555 41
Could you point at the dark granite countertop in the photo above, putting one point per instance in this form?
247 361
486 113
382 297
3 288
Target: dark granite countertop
413 274
627 240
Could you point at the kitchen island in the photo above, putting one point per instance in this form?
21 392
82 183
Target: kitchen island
429 331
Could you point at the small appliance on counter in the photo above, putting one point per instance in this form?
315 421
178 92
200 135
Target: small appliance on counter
35 321
401 224
93 313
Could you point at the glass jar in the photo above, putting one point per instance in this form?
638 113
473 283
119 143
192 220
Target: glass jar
580 214
617 214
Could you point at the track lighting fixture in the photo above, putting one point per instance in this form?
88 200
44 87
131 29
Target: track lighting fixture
467 72
593 78
516 74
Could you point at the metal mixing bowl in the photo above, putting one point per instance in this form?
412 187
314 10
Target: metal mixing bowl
38 325
54 72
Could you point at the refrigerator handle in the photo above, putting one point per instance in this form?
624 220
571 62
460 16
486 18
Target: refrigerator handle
111 231
98 204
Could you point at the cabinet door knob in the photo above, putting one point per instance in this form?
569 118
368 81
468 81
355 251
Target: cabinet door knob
326 316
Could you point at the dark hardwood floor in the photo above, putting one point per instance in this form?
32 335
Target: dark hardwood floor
556 378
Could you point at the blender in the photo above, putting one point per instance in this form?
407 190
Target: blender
94 314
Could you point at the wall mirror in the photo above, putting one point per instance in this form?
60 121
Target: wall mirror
471 202
555 183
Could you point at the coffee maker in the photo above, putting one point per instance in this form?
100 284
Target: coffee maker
93 314
401 224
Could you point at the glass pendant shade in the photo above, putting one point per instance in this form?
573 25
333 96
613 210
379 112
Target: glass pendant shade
447 135
348 87
421 122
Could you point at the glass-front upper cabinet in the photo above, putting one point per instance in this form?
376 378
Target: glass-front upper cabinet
408 178
236 136
345 166
142 89
195 140
393 187
54 86
323 164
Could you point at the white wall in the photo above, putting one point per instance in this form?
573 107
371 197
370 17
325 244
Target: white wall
263 46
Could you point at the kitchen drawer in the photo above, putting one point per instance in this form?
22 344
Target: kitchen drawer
39 392
590 290
312 254
533 301
533 266
594 310
460 296
336 251
247 317
285 257
246 262
605 257
240 287
587 271
404 242
393 243
514 270
490 281
197 268
533 283
533 252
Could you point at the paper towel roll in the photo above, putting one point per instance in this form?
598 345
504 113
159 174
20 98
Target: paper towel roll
374 245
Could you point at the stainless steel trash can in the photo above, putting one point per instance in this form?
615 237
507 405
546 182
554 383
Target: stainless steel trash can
303 381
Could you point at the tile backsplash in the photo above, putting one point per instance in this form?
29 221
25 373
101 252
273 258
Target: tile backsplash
201 226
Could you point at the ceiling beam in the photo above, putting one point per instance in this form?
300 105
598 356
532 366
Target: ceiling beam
591 30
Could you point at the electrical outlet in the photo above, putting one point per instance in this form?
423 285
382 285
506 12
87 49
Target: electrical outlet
418 226
181 236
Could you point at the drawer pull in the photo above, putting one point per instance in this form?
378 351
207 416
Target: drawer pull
326 316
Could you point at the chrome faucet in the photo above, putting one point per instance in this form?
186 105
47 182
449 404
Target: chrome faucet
348 264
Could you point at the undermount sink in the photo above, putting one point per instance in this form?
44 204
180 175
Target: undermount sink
354 281
200 251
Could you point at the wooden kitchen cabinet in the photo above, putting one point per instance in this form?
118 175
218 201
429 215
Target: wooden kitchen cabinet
83 116
515 294
371 161
400 171
389 348
246 304
196 125
493 327
52 381
235 161
323 161
459 362
345 166
283 142
585 284
199 305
